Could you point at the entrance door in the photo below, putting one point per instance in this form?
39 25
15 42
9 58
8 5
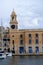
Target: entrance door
21 49
13 50
37 49
30 49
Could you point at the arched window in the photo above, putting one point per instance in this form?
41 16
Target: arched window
12 17
21 49
21 36
37 49
30 41
29 35
36 41
36 35
30 49
13 42
21 42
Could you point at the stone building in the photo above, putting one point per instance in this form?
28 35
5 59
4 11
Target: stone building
25 40
4 38
1 36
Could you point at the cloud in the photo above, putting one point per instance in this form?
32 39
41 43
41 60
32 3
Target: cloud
35 22
31 23
29 12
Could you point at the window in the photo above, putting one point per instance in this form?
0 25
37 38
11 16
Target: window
36 41
12 35
5 44
21 49
8 39
21 36
21 41
29 35
12 17
4 39
13 42
36 35
36 49
30 49
30 41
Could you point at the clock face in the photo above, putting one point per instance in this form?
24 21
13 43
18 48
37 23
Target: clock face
12 26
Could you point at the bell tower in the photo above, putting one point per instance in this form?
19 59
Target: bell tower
13 21
13 30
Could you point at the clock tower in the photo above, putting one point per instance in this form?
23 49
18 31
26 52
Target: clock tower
13 30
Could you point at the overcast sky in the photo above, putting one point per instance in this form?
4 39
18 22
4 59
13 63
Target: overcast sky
29 13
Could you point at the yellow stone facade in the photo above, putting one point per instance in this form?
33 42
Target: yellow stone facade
25 40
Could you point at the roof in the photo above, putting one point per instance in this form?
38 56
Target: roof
31 30
13 13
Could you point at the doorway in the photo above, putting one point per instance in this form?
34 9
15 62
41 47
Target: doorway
37 49
21 49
